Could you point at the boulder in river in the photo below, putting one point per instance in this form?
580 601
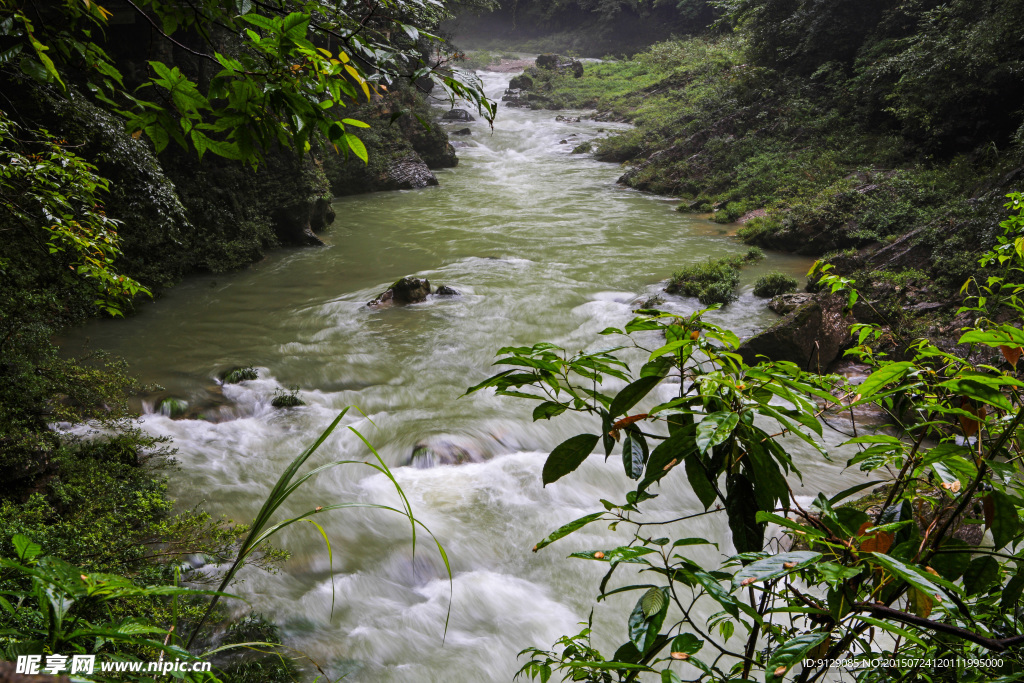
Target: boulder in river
410 173
560 63
445 290
567 119
408 290
521 82
463 131
458 115
515 98
811 335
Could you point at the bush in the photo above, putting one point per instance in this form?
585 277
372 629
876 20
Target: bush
774 284
711 281
236 375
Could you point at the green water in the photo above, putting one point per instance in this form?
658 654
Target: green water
543 245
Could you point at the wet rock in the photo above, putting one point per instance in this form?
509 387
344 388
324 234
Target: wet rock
425 456
173 408
521 82
810 336
236 375
559 63
925 307
583 148
410 173
458 115
408 290
563 142
651 302
445 290
785 303
567 119
462 131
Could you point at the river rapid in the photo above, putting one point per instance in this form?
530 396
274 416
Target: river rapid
544 246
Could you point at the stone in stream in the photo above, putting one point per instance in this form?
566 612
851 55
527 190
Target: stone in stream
567 119
463 131
409 173
562 64
458 115
520 82
408 290
811 335
445 290
451 449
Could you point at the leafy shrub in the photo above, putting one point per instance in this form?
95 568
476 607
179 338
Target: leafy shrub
711 281
774 284
289 400
236 375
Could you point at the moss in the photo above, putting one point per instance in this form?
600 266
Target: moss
289 400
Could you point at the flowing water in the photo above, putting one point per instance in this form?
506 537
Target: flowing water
544 246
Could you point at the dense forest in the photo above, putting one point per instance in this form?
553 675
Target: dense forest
146 144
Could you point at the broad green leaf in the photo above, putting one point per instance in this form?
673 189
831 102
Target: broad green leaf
653 601
741 507
702 487
633 456
567 456
548 410
357 146
716 428
631 395
981 575
791 653
773 567
567 529
914 576
25 549
1005 522
884 375
688 643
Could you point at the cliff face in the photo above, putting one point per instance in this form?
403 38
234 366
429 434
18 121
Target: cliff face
181 215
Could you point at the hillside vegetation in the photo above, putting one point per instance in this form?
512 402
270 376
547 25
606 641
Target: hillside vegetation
884 138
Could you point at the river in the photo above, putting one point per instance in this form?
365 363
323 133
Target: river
544 246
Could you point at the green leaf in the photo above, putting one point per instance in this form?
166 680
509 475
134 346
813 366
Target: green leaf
652 602
548 410
846 493
631 395
688 643
773 567
643 629
715 429
791 653
567 529
917 578
1012 592
981 574
702 487
1005 522
741 506
355 123
633 455
357 146
25 549
884 375
567 456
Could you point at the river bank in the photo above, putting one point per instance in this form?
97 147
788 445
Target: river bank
783 159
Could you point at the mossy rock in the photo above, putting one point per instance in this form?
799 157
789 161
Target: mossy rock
287 401
173 408
236 375
774 284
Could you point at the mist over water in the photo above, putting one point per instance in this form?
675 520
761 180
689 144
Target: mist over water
544 246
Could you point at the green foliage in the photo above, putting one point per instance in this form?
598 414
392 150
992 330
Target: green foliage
899 578
712 281
287 400
276 84
774 284
236 375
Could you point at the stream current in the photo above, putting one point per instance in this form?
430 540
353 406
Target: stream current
543 246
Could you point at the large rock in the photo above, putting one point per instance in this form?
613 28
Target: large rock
408 290
811 335
521 82
410 173
458 115
559 63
